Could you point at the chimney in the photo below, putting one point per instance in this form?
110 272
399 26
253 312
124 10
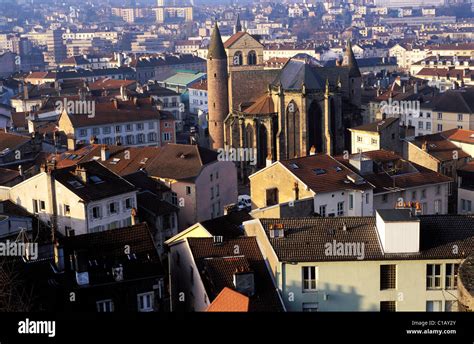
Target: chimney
312 150
104 153
123 93
51 165
244 282
269 160
115 103
25 92
133 215
424 146
81 173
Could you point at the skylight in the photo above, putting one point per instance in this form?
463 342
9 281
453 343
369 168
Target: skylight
96 180
294 166
75 184
319 171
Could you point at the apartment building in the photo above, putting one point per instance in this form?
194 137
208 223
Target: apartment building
133 122
79 199
393 261
198 97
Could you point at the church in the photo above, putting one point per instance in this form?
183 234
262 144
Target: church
280 113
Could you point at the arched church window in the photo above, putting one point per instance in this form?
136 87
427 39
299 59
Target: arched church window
252 58
238 59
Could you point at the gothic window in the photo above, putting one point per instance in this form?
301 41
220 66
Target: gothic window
252 58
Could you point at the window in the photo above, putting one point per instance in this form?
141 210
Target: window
151 137
420 125
128 127
367 197
42 205
252 58
35 206
107 140
166 136
113 208
433 276
129 139
413 195
440 115
450 306
388 277
67 209
428 125
460 117
145 302
310 307
351 201
272 196
151 125
359 139
140 138
106 130
309 278
440 127
322 210
210 177
139 126
438 189
118 128
340 209
212 192
128 204
374 142
423 193
95 131
188 190
105 306
437 206
83 132
433 306
96 212
217 190
451 276
388 306
217 174
385 198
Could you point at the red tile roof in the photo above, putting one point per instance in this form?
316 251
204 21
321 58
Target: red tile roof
229 300
199 85
234 38
263 105
459 135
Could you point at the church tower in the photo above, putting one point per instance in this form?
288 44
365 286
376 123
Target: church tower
217 87
355 78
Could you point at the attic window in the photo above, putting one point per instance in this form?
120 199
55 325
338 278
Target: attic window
143 161
75 184
319 171
115 161
294 166
96 180
338 169
277 231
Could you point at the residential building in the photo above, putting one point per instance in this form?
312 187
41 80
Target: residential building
393 261
382 134
79 199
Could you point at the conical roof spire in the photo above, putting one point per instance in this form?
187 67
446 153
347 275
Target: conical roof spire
238 25
216 47
351 62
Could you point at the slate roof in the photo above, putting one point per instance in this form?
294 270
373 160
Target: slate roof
263 105
295 73
11 141
455 101
218 263
109 184
155 204
305 238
